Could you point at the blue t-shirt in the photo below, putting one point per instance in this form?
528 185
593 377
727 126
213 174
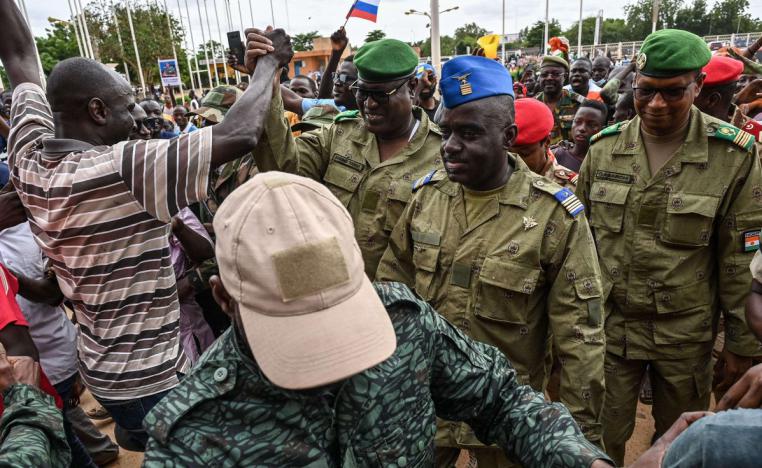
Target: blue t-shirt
308 104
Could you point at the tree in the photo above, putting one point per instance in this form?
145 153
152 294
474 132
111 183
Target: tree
375 35
59 44
533 36
304 41
446 46
612 30
150 22
694 18
730 16
466 37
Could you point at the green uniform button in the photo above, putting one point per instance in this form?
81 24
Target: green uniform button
402 461
220 374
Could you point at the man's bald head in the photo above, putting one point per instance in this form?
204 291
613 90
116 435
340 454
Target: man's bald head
75 81
90 102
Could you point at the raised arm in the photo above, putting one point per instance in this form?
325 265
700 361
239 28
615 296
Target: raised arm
339 42
17 46
239 133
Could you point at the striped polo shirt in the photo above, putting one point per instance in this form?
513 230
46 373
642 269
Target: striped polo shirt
101 215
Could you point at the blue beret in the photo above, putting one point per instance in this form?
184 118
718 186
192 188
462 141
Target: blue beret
470 78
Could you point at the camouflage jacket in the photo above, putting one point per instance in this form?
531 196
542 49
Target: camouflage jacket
563 114
226 413
32 430
675 246
525 269
344 156
222 182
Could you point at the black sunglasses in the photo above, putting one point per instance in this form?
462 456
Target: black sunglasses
672 94
343 78
151 123
380 96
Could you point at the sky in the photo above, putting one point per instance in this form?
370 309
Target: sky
326 16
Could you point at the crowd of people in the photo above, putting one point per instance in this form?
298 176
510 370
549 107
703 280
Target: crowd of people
393 266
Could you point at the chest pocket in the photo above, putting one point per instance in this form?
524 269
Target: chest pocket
342 180
426 247
505 290
607 200
689 219
397 199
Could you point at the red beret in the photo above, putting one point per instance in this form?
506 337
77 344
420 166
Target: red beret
534 119
722 70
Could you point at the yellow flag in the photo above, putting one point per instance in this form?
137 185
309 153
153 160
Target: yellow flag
489 43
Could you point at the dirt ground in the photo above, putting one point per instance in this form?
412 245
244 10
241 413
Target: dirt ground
638 443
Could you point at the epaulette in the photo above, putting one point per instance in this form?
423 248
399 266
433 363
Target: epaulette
734 135
346 115
427 179
608 131
565 197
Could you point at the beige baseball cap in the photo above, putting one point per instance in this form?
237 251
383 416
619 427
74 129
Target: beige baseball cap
287 254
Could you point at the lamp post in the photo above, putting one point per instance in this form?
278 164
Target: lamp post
436 54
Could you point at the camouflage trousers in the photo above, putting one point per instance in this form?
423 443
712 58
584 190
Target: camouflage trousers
679 385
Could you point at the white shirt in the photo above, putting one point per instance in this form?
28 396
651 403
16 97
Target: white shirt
52 331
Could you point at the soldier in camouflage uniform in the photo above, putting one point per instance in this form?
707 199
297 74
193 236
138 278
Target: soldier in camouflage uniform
562 102
323 369
675 202
367 158
535 122
504 254
32 429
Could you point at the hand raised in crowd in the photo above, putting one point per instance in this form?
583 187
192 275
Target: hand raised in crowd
233 63
339 40
750 93
750 98
746 393
270 41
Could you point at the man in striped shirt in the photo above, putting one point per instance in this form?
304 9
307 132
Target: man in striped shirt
100 207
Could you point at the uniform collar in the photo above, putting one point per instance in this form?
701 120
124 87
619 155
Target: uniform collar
515 191
695 149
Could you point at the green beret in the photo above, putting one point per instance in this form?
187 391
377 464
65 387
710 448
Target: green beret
672 52
385 60
554 61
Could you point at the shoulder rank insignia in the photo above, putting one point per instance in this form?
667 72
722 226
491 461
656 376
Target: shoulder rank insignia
566 174
427 179
569 201
608 131
346 115
566 197
734 135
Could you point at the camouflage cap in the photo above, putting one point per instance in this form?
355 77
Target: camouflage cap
217 103
316 117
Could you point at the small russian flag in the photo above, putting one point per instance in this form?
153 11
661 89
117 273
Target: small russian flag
365 9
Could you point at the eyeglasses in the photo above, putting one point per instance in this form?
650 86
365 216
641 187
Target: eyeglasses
551 75
343 78
380 96
151 123
673 94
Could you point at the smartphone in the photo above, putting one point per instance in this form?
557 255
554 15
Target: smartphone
236 46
